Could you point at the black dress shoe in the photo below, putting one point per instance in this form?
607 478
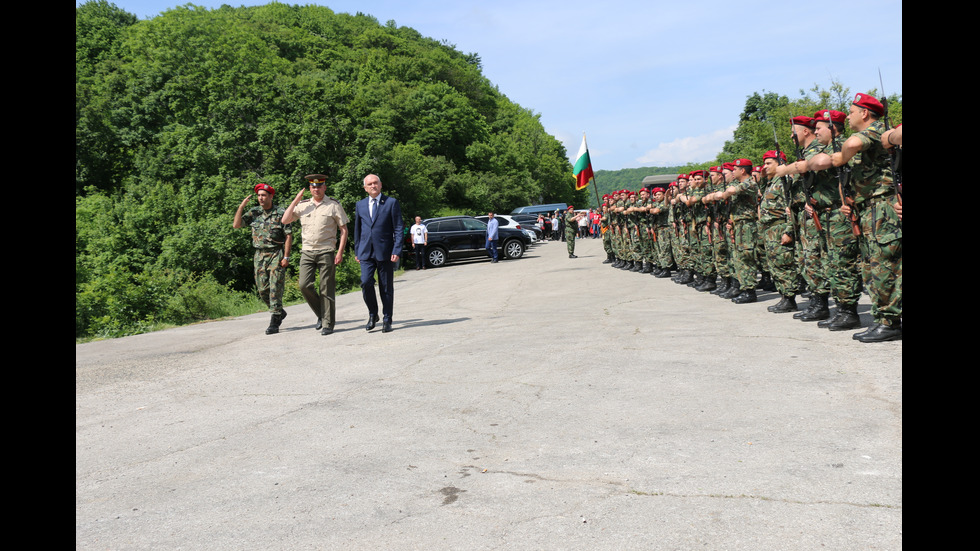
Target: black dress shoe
326 331
386 326
319 324
372 320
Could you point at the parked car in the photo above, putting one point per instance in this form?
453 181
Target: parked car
529 221
511 222
538 209
453 237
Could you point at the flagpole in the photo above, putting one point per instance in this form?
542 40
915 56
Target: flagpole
595 183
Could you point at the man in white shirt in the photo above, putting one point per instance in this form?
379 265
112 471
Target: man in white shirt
420 238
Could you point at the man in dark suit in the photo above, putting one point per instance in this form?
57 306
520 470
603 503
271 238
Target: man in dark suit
377 245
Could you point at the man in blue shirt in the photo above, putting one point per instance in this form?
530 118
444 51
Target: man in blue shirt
492 226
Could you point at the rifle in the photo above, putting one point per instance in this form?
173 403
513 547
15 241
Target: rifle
786 186
894 152
807 182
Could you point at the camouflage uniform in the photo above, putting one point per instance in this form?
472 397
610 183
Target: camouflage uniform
844 264
606 231
268 239
571 228
719 238
665 233
881 229
745 224
701 241
774 224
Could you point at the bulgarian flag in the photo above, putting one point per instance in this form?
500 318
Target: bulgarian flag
583 167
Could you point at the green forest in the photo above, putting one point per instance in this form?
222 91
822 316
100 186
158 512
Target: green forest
177 118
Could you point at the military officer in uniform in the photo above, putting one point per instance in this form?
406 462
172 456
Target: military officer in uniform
271 239
571 227
321 218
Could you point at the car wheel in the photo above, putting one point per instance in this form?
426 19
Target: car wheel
513 249
436 257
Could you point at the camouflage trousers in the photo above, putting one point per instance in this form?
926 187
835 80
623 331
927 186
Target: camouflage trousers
648 251
720 243
744 254
270 277
845 258
607 241
680 246
665 253
780 259
570 238
816 262
881 245
701 249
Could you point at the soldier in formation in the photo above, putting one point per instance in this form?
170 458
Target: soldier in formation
827 224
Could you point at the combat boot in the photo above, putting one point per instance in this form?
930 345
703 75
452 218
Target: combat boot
767 284
787 304
810 306
647 267
637 266
745 297
733 290
820 312
880 332
273 325
847 318
609 259
685 277
723 287
709 284
664 273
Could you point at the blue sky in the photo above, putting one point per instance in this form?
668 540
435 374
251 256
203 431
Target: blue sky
651 83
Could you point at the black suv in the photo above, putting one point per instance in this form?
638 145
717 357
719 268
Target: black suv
465 237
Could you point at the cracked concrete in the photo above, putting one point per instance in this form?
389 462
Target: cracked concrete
542 403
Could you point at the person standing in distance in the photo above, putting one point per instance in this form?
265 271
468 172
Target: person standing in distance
377 246
420 238
320 218
571 226
271 239
492 225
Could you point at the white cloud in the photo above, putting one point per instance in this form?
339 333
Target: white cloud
690 149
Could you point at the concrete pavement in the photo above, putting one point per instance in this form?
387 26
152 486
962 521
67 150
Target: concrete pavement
539 403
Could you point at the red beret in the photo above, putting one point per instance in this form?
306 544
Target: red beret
779 156
803 120
658 190
264 187
744 163
682 177
831 115
867 102
727 166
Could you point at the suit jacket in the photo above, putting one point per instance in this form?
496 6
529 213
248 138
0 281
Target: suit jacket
381 237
